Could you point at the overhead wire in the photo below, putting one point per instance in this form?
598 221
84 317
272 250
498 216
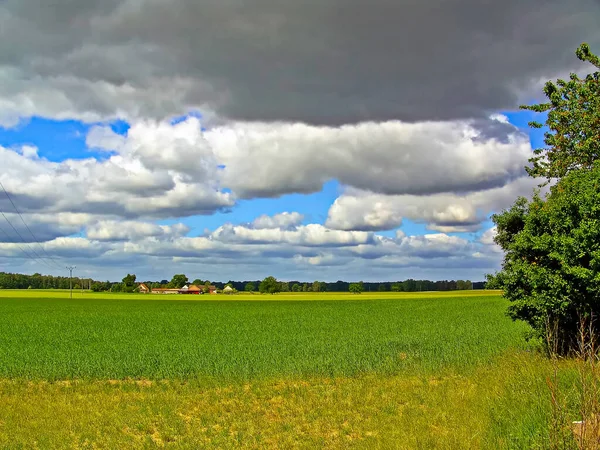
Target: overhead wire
11 241
28 229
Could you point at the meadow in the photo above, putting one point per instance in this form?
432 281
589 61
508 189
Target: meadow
333 370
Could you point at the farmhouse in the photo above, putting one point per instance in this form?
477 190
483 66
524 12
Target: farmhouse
191 289
165 291
228 290
187 289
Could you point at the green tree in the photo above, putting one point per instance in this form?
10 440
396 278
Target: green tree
573 108
250 287
198 282
356 288
464 285
269 285
178 281
296 287
551 268
129 280
128 283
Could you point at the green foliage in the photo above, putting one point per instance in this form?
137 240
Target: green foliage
356 288
573 107
178 281
103 337
250 287
269 285
492 281
129 280
464 285
37 281
551 269
319 286
128 284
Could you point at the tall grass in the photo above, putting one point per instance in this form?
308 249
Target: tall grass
581 396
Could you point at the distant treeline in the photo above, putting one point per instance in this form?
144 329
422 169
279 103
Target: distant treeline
342 286
38 281
409 285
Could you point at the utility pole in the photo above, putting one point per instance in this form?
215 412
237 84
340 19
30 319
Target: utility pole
70 269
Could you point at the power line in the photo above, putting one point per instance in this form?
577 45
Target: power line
16 243
37 257
26 226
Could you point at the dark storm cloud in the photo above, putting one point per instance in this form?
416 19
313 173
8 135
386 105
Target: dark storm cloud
328 62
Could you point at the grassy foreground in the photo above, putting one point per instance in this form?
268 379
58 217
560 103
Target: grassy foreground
340 371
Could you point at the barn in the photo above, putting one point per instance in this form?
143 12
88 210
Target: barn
190 289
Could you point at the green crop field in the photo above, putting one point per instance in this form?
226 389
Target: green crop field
81 338
391 370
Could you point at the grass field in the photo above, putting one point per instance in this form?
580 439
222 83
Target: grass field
419 370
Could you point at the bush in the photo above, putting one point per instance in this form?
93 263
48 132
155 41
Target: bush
551 268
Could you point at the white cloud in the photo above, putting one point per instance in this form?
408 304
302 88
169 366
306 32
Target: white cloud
284 220
158 170
304 235
42 227
487 239
238 251
488 236
441 212
269 160
131 230
104 138
500 118
322 259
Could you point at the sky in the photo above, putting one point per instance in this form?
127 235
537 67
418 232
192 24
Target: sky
229 139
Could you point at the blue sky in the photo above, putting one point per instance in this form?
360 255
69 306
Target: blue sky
58 141
280 142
